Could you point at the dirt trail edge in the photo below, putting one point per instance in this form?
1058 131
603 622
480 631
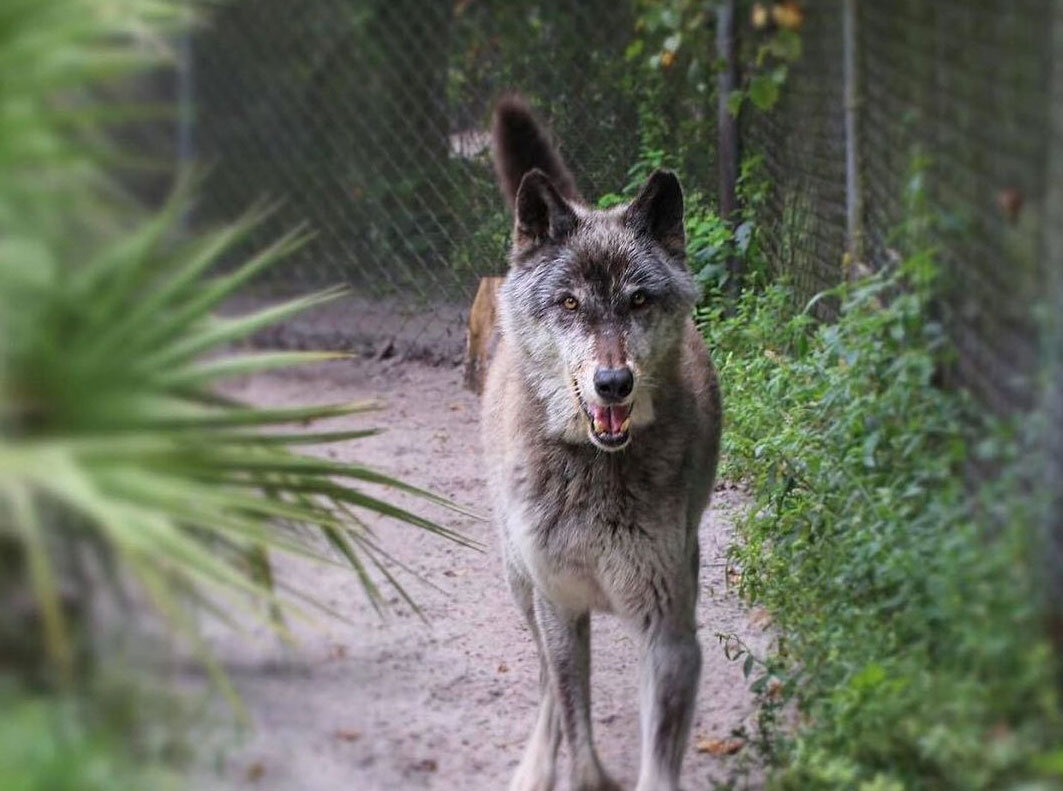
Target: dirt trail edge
393 703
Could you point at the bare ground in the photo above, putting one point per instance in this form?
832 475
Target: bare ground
392 703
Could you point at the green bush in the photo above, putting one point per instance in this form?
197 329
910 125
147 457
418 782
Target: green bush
910 653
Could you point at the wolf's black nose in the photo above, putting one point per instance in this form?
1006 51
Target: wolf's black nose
614 384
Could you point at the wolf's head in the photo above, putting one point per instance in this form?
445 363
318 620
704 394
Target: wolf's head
596 299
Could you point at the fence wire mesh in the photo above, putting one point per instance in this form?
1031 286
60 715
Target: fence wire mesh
369 120
802 140
954 93
952 136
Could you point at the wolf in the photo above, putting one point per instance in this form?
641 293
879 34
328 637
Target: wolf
601 428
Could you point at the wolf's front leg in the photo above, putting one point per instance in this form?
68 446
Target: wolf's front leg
671 666
566 646
537 770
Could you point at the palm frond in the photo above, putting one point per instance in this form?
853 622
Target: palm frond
115 430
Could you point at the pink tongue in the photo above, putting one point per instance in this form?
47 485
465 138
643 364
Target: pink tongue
612 417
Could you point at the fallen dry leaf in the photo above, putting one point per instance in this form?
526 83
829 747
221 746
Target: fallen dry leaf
345 735
503 668
1000 732
427 765
255 772
788 15
774 690
760 617
1009 201
720 746
734 576
759 16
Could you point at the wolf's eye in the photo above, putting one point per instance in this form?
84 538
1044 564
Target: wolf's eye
638 299
570 303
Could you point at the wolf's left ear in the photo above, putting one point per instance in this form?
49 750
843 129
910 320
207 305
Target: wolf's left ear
658 211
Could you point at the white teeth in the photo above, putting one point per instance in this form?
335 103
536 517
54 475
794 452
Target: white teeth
625 425
600 427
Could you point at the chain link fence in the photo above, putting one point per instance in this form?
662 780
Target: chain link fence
369 121
802 141
950 146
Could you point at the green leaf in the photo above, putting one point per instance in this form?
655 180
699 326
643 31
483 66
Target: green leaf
763 91
42 576
217 332
208 371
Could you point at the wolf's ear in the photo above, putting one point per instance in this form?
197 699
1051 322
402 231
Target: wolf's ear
658 211
542 213
520 143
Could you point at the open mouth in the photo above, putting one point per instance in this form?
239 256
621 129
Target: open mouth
609 426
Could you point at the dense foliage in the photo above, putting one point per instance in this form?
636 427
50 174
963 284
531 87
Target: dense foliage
910 654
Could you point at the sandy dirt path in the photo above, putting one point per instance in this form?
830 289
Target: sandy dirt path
388 704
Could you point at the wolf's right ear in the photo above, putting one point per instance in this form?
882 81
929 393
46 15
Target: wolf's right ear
520 144
658 211
542 213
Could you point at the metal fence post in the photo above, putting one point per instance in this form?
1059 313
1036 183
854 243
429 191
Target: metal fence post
727 124
186 110
185 101
853 188
1053 345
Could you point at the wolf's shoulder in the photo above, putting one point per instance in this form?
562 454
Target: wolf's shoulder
699 374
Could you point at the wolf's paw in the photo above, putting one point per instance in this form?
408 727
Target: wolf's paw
532 784
604 783
533 779
658 787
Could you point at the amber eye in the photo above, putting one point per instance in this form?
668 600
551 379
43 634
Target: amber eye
570 303
638 299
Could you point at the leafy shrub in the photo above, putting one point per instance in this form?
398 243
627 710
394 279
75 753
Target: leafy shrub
906 608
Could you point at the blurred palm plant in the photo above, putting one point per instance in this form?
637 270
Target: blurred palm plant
113 433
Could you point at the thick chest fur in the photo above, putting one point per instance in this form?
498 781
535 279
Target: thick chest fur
605 531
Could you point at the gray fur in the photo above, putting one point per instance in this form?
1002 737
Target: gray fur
585 528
